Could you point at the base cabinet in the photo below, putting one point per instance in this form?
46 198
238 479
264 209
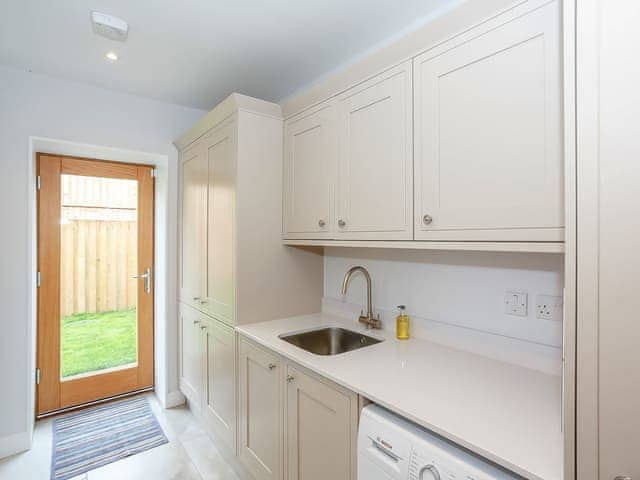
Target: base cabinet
260 422
293 424
208 372
218 398
191 355
321 428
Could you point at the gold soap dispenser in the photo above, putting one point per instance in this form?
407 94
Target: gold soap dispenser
402 323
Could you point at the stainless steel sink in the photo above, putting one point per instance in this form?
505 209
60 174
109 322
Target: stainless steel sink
329 341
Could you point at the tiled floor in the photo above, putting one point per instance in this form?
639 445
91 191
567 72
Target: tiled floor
189 455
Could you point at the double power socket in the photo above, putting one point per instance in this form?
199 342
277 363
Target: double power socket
548 307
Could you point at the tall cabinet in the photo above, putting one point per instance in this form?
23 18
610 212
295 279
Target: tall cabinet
233 268
608 198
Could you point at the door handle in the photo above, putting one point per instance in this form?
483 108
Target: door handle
146 276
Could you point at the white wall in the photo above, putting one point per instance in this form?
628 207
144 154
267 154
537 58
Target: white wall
41 106
458 297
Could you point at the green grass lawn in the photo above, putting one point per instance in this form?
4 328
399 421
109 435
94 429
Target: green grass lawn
94 341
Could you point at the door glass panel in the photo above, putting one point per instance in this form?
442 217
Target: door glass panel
98 257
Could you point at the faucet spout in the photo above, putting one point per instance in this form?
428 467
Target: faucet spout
368 320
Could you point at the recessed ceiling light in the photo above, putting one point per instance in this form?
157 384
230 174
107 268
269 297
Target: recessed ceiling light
112 56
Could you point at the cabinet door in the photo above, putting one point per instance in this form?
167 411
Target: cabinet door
375 159
488 135
260 420
191 354
321 429
219 291
218 403
193 221
310 148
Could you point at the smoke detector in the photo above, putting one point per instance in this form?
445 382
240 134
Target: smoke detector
110 27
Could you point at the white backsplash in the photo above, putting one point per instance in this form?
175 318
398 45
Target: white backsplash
456 298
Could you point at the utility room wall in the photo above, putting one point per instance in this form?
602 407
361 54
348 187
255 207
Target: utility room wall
457 298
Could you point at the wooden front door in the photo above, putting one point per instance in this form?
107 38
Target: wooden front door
95 270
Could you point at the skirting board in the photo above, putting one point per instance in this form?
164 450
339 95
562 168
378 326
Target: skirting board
15 443
174 399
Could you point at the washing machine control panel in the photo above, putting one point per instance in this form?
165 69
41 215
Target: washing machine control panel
427 467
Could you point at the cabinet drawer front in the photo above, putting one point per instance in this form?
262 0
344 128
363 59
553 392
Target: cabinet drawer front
219 409
321 429
310 146
488 135
260 422
375 160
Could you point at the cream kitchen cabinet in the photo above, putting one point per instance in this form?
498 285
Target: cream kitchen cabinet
218 297
460 147
207 371
260 423
293 424
375 159
321 428
310 150
219 392
488 134
233 266
191 364
192 238
348 164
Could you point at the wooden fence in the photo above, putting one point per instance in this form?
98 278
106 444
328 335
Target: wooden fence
97 260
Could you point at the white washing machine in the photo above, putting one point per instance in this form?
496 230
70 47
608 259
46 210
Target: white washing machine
392 448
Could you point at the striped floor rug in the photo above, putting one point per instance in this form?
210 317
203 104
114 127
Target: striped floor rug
89 439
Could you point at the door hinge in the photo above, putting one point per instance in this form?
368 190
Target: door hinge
38 279
38 182
153 173
37 376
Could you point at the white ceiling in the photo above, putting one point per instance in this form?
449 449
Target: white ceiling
196 52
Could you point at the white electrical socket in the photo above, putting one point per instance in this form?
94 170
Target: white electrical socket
515 303
549 307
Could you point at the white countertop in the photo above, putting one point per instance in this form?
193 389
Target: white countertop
505 413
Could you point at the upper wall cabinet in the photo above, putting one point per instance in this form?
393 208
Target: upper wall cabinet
375 159
488 135
193 234
348 164
310 149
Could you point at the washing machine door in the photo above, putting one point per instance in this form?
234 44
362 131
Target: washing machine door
383 458
368 470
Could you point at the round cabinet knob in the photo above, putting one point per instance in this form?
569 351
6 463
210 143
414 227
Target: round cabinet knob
427 219
289 378
203 327
321 223
429 469
203 302
196 322
272 366
195 299
341 223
